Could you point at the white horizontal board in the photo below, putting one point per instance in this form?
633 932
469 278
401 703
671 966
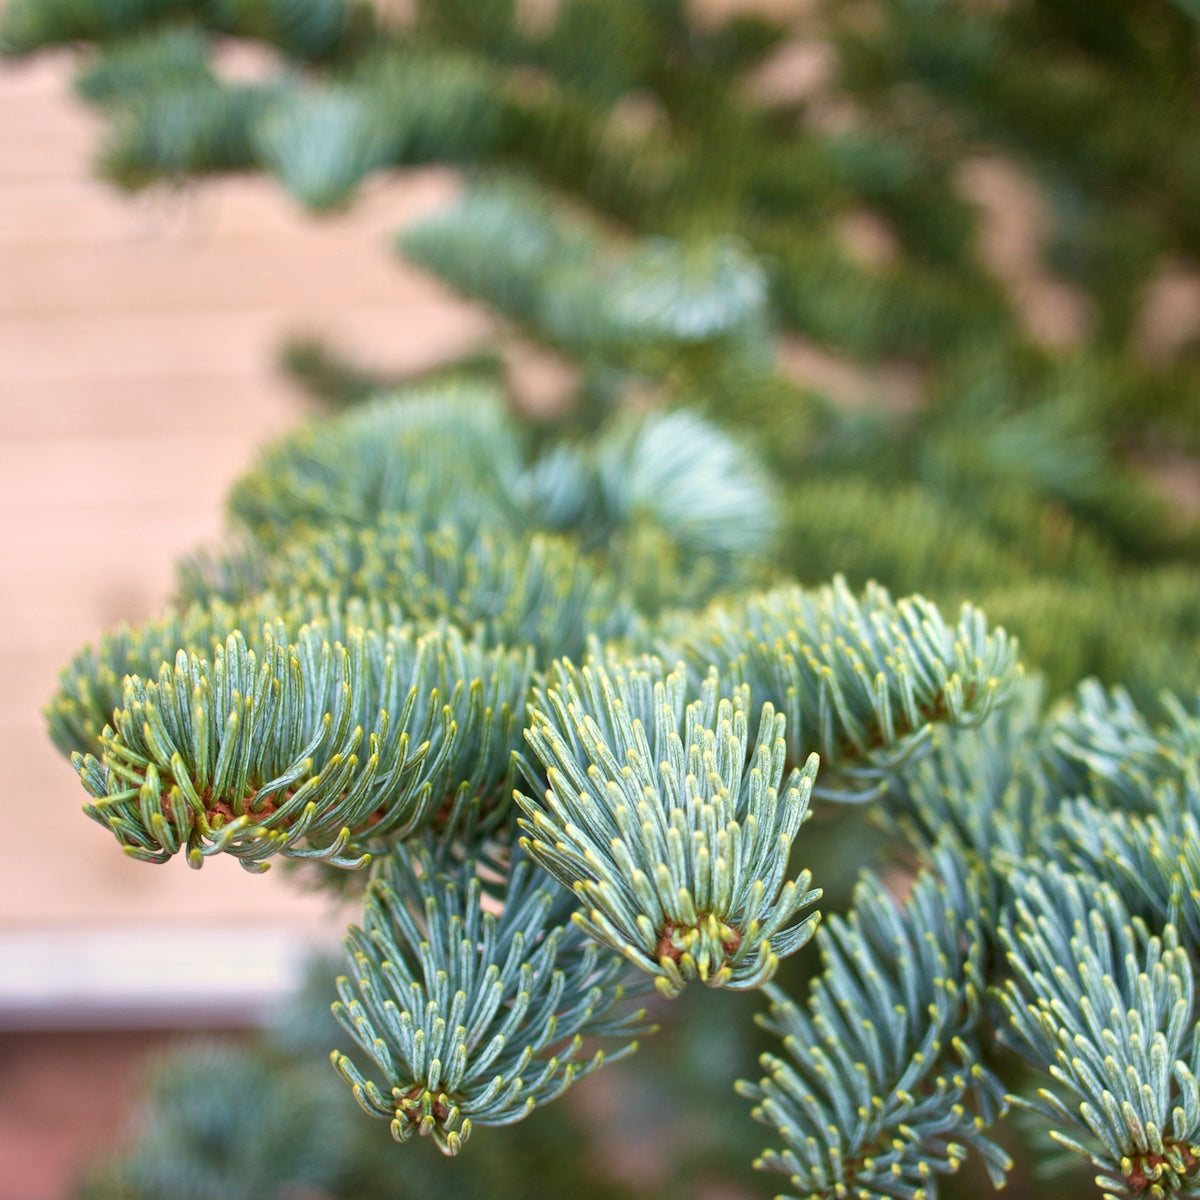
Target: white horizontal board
162 977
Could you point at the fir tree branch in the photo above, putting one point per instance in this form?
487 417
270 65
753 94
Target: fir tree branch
669 292
1152 861
30 25
472 1016
395 454
678 510
322 141
1104 745
307 746
303 29
193 128
1107 1008
703 489
235 1121
671 827
884 1087
982 790
90 687
504 243
445 105
667 503
309 29
538 591
662 302
154 62
861 682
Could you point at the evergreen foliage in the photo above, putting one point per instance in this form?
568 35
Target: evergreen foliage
541 591
219 1136
667 504
1118 1033
428 601
861 682
478 982
888 1085
473 1018
304 745
676 834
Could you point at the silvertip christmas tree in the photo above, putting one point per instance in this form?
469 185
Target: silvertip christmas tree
593 715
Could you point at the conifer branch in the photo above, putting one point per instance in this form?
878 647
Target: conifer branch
537 590
90 687
1151 861
667 504
153 62
884 1087
343 690
1107 1008
701 488
31 25
983 789
504 243
673 829
394 454
669 292
193 128
301 28
322 141
446 105
1105 745
472 1016
305 745
237 1121
861 682
679 510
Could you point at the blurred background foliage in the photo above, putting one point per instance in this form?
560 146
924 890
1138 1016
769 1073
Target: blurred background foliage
938 261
